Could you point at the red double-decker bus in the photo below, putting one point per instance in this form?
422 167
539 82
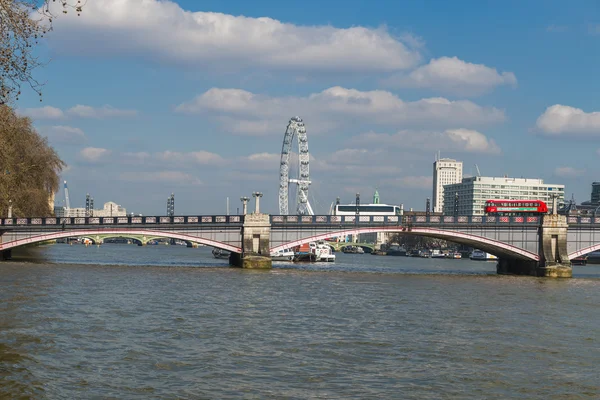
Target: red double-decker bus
515 207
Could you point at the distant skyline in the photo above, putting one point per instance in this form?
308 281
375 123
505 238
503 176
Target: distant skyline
148 98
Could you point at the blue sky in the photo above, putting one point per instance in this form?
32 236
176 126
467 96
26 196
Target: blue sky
144 98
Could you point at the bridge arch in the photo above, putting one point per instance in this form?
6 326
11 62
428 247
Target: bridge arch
90 233
584 251
497 248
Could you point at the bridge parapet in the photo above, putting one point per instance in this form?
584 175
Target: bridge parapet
401 220
55 222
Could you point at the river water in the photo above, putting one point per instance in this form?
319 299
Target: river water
121 321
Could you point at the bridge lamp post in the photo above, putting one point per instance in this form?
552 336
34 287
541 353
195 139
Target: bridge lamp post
257 196
595 210
10 209
244 204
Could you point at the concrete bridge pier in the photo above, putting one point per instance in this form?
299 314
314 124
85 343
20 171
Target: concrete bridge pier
256 236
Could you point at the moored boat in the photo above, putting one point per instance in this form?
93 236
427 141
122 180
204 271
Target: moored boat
353 249
322 251
220 253
396 251
379 253
437 254
302 253
480 255
283 255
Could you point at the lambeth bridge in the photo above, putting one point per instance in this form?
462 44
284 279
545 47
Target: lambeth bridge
528 245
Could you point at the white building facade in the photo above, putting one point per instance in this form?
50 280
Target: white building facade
446 171
473 193
110 209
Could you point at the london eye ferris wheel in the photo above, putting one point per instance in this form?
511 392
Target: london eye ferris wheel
288 174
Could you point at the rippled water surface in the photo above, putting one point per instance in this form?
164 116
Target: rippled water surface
121 321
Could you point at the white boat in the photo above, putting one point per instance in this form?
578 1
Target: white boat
437 254
482 256
322 251
283 255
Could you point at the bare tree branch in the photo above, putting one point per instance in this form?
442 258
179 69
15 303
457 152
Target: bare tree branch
23 23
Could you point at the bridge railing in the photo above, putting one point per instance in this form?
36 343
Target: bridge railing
583 220
418 220
129 220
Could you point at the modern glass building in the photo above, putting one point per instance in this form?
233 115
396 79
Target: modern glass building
595 193
469 196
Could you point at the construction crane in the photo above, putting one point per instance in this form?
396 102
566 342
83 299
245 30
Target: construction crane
67 203
477 168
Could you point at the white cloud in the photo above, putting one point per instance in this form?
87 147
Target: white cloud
261 161
454 76
564 120
182 159
172 177
135 158
462 140
568 172
47 112
94 154
78 111
162 30
194 157
332 108
64 134
106 111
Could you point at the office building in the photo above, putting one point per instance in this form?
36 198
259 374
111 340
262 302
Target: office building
595 198
472 193
445 172
110 209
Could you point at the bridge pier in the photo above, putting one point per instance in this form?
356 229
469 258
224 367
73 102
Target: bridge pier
5 255
554 257
507 266
256 238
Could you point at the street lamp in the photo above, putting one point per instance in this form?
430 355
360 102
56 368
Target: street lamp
244 204
257 196
10 209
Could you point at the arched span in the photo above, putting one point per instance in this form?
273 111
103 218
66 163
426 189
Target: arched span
488 245
118 232
584 251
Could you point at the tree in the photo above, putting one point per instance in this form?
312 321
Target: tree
410 241
22 24
29 167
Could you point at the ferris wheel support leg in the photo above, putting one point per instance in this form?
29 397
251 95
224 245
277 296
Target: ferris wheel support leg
309 208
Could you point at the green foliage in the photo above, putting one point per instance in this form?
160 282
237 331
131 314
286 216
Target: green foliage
410 241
